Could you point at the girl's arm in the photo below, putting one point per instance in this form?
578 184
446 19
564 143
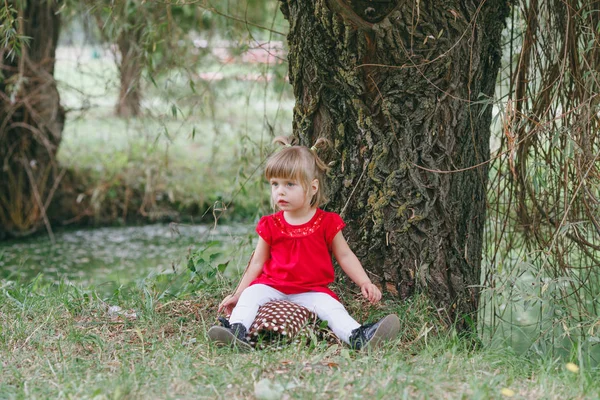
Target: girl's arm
352 267
261 255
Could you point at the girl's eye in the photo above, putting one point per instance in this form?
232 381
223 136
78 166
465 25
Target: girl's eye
290 184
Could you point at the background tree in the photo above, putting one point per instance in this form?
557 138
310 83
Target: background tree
154 36
151 37
402 89
31 118
137 29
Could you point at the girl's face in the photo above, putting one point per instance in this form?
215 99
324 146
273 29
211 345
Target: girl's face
289 195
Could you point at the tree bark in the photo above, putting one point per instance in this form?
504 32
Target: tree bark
31 121
130 74
402 89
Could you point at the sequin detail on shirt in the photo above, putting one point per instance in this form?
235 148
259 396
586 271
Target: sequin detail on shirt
301 230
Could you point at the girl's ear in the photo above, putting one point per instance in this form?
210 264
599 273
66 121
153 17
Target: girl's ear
314 185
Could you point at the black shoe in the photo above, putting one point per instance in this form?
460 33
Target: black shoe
373 335
233 335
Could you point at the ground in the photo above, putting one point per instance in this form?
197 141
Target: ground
149 341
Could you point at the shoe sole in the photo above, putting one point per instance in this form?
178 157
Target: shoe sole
387 330
224 337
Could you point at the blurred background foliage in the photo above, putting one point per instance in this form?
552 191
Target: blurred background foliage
143 86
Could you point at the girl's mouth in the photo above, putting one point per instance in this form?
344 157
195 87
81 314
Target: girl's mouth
282 202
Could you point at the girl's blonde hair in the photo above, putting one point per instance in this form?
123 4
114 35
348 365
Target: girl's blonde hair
302 164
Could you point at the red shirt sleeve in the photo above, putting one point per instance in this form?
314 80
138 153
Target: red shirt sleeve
335 223
263 229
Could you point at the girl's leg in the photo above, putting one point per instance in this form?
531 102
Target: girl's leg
250 300
328 309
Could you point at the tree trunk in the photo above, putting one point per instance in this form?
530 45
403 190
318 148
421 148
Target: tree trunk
130 73
401 90
31 121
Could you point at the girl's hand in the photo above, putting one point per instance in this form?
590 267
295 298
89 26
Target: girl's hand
370 292
228 303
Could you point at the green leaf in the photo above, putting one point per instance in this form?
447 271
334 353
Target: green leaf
211 244
191 265
221 267
167 135
153 81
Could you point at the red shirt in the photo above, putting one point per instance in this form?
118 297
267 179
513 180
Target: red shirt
300 254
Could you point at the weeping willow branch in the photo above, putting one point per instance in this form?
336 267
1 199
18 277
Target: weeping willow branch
552 236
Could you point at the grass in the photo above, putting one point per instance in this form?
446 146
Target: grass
61 341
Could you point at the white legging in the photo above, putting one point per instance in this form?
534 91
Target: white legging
326 307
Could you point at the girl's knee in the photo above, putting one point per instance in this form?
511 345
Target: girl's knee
259 294
319 302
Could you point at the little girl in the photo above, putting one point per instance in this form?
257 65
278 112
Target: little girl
292 260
